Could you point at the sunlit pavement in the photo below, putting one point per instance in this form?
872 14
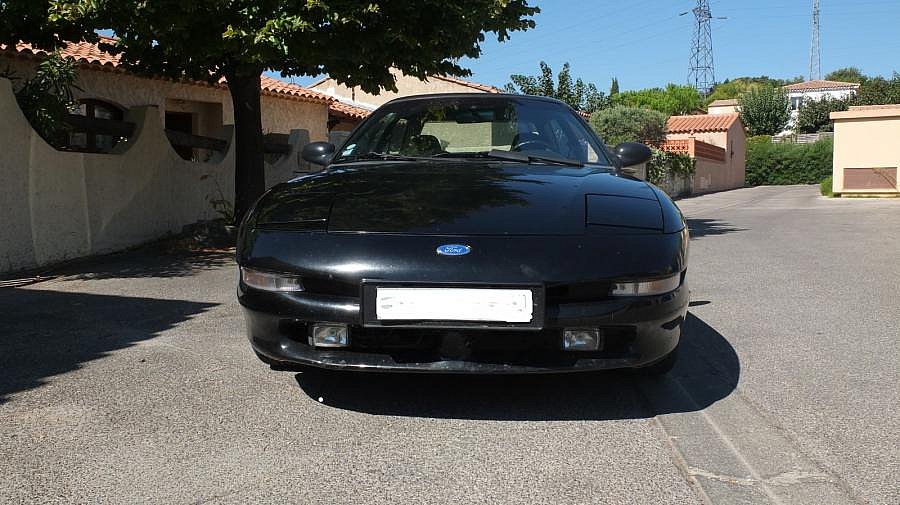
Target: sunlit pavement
128 379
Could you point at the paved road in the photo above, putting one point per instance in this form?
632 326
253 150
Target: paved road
128 379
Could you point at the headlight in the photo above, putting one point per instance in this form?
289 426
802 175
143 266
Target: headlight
646 288
270 281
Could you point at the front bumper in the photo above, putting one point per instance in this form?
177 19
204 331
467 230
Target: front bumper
638 332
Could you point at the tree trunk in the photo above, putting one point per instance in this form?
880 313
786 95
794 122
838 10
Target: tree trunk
249 164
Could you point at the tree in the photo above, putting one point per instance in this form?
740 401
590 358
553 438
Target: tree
578 94
734 88
629 124
879 91
673 100
42 23
614 87
847 74
356 42
765 111
814 115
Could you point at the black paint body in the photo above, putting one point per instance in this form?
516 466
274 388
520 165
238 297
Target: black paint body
567 232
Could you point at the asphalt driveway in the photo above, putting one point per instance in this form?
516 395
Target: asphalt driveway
128 379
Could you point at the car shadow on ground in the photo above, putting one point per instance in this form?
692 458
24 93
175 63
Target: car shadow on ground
142 263
46 333
708 227
708 370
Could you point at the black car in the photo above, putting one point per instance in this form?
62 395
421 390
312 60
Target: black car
474 233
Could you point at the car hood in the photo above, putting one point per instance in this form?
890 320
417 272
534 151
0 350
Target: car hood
466 198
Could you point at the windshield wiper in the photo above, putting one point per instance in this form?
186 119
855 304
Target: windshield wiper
531 158
384 156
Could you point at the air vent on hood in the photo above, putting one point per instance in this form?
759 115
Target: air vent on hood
623 211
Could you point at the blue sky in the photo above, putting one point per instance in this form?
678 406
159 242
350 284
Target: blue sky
645 43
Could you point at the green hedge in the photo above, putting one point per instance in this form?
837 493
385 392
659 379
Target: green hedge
662 163
826 186
774 164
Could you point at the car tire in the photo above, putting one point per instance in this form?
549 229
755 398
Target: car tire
661 367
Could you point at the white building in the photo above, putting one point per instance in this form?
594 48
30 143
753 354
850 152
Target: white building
816 90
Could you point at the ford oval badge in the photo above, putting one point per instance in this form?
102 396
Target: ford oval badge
453 249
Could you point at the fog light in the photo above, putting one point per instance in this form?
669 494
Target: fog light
330 335
581 340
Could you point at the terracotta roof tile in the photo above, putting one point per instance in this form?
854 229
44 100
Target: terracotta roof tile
820 84
279 87
350 111
723 103
701 123
87 53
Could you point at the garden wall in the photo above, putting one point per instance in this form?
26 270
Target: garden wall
60 205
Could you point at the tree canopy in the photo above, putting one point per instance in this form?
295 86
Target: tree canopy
578 94
629 124
356 42
847 74
734 88
673 100
765 110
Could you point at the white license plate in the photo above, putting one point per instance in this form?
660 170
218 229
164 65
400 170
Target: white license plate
454 304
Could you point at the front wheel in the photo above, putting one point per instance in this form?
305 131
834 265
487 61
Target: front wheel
661 367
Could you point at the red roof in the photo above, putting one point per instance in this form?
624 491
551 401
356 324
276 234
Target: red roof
821 85
349 111
701 123
90 54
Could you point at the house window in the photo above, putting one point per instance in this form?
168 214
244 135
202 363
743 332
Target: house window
95 142
796 102
182 122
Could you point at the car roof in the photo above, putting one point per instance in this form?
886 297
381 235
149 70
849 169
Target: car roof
474 96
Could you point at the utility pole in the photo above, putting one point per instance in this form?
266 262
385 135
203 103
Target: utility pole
815 49
702 74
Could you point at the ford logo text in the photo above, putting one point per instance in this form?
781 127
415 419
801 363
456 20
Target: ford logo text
453 249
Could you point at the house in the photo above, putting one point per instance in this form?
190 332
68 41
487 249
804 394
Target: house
718 144
106 90
816 90
406 86
727 106
866 151
146 156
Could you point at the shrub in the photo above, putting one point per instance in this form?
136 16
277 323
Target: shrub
774 164
46 98
765 110
814 115
663 163
629 124
825 187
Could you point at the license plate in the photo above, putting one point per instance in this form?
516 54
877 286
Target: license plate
454 304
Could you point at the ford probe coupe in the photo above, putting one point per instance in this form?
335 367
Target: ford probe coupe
466 233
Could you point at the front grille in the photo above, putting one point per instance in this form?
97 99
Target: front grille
322 286
489 346
580 292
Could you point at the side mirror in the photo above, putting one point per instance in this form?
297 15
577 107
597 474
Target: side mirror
319 153
632 153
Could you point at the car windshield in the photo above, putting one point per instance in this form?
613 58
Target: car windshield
454 127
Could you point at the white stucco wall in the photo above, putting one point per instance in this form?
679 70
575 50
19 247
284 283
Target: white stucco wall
211 105
60 205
